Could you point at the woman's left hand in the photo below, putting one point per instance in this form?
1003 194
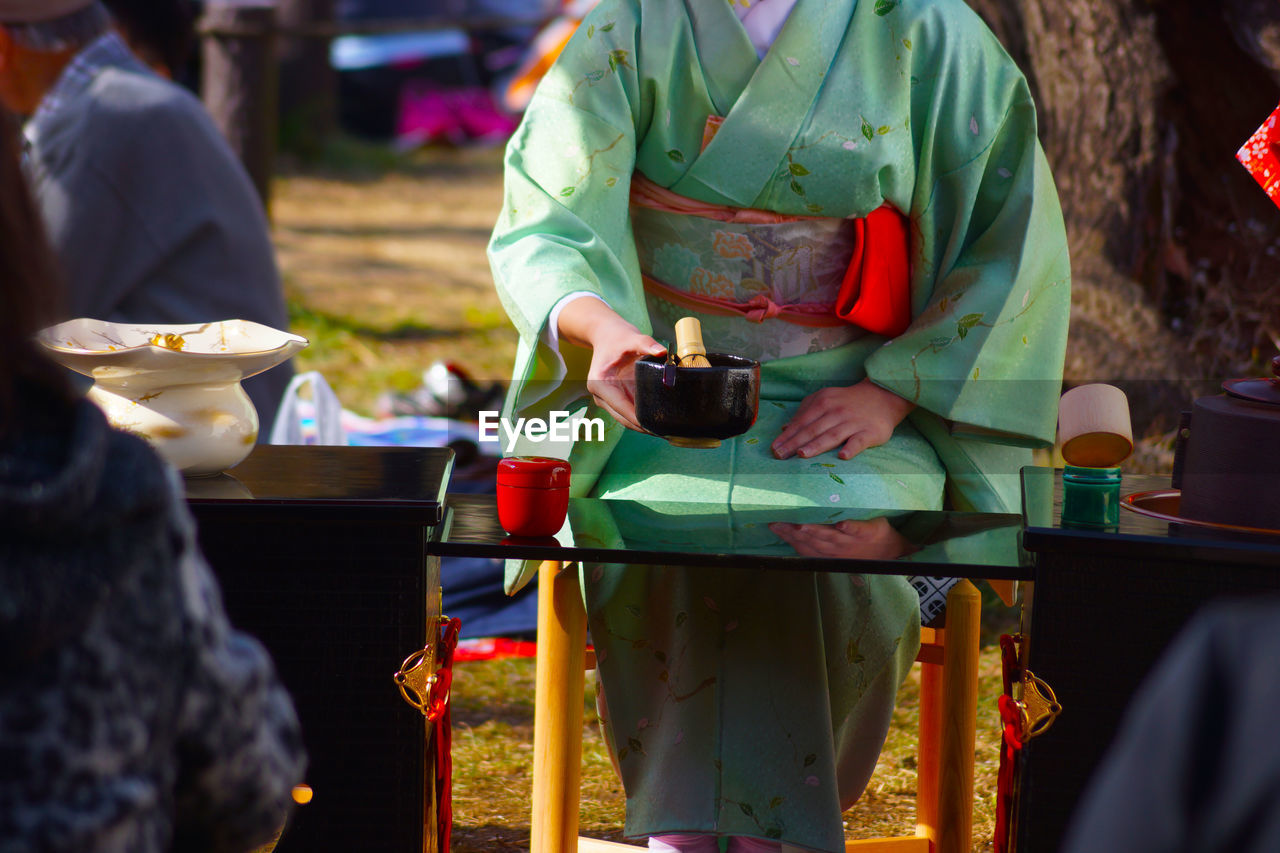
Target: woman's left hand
857 417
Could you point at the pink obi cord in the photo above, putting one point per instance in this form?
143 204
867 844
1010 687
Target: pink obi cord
757 309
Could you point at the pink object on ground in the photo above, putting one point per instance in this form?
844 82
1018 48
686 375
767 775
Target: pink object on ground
481 119
425 116
429 114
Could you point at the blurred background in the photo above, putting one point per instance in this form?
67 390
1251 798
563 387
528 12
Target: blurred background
382 167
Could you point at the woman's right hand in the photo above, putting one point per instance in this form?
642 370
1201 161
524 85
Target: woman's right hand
615 346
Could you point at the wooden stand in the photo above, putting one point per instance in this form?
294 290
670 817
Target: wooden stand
557 711
948 723
957 729
240 84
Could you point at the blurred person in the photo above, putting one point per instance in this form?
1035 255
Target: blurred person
152 216
1192 766
132 715
160 32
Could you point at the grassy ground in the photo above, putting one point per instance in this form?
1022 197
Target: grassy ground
385 272
493 758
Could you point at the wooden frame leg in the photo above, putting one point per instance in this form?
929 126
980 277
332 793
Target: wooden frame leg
557 714
927 752
948 708
958 730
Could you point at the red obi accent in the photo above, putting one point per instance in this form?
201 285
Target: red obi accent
1261 156
876 291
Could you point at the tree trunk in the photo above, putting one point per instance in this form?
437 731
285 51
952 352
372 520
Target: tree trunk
239 85
308 83
1175 249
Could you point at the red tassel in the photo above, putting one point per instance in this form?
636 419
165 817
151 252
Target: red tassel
1011 745
437 713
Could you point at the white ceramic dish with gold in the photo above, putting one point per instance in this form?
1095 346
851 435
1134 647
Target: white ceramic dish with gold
177 386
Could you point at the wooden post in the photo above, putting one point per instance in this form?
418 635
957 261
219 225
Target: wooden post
239 84
557 710
308 105
959 729
927 752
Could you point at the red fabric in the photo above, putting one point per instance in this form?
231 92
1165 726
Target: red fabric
1011 745
1010 669
1261 156
492 648
437 713
876 292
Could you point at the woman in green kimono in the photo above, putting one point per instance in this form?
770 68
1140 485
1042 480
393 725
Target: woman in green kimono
745 163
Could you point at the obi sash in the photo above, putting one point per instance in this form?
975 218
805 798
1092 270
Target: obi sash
875 291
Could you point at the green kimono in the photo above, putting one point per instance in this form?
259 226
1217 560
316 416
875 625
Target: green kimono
754 704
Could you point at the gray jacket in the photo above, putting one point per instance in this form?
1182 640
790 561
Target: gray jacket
152 215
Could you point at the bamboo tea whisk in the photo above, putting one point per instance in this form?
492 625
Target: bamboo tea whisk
689 347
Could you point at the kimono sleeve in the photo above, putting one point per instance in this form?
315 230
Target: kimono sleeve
564 224
990 268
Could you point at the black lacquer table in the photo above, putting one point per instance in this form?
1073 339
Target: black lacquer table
321 553
946 544
1104 605
936 544
331 557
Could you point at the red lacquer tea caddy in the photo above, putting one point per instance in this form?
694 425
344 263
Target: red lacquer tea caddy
533 495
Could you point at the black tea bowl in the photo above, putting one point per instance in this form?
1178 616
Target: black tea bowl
703 405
